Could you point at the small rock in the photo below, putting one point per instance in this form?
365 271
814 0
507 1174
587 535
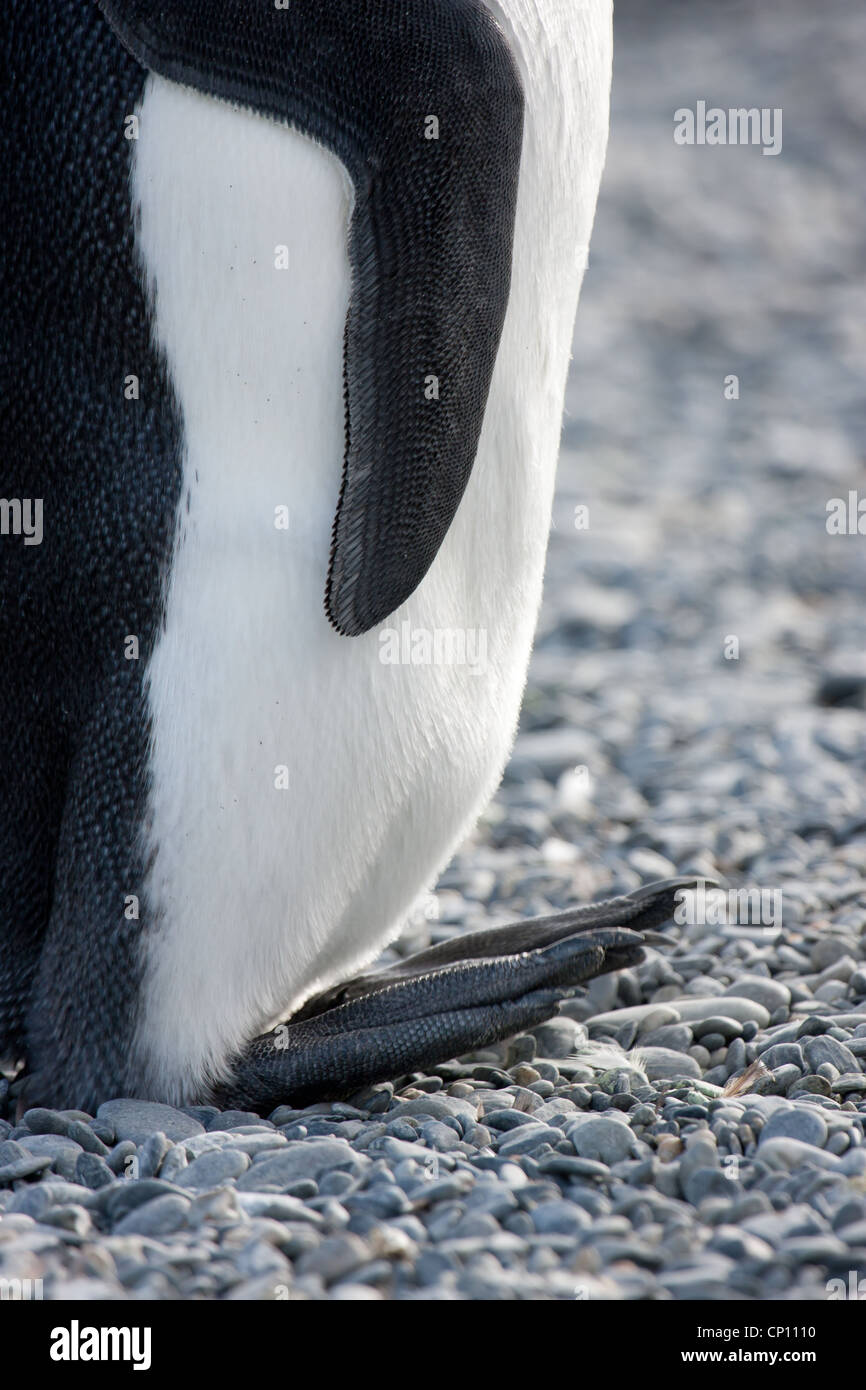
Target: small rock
602 1138
824 1049
557 1037
139 1119
214 1169
160 1217
335 1257
743 1010
661 1063
784 1055
772 994
802 1122
301 1158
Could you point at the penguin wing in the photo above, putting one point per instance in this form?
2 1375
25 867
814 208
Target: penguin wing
423 104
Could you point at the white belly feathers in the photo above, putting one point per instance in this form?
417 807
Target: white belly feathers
306 787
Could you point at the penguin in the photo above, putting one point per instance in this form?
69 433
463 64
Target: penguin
289 300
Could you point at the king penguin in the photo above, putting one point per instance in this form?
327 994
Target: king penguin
290 290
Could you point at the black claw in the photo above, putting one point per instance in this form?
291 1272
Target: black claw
466 993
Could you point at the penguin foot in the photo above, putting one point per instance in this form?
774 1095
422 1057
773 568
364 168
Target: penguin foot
464 994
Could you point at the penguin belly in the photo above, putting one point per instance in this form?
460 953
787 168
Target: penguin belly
305 787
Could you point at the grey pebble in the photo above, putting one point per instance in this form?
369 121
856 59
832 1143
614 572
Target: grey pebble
212 1169
300 1159
662 1062
335 1257
716 1025
605 1140
801 1122
152 1153
821 1050
159 1217
139 1119
771 994
92 1171
527 1139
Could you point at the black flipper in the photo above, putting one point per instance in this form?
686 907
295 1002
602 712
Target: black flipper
440 1003
430 240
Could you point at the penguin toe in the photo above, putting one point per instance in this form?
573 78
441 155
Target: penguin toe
467 993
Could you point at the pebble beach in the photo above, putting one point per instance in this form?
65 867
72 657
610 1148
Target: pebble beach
691 1128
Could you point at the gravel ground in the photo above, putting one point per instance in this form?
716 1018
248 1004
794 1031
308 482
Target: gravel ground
696 705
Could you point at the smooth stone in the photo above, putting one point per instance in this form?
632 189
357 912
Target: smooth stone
557 1037
56 1145
662 1063
42 1121
278 1207
849 1081
828 950
784 1054
602 1138
507 1119
70 1123
436 1107
234 1119
25 1166
758 1108
776 1226
802 1122
741 1245
823 1049
92 1171
301 1158
690 1009
161 1216
152 1153
439 1136
560 1218
736 1058
771 994
791 1154
645 1016
705 1182
174 1164
123 1158
810 1085
69 1218
567 1167
785 1077
818 1249
335 1257
726 1028
213 1169
677 1037
528 1138
251 1143
139 1119
125 1196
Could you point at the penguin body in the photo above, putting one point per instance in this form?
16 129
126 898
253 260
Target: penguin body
273 780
